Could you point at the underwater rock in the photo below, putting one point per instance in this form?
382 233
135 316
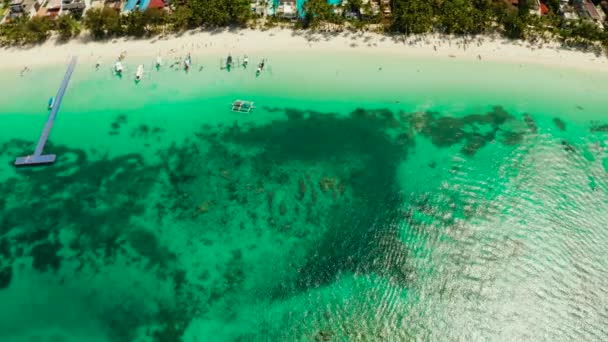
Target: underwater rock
530 123
432 164
147 244
567 147
599 128
326 184
512 138
6 275
283 209
270 200
5 249
301 189
203 208
323 336
559 124
45 256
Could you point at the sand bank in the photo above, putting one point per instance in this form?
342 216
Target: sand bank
275 41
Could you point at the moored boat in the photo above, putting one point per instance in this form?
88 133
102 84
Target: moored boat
118 68
140 73
260 68
188 62
51 102
229 62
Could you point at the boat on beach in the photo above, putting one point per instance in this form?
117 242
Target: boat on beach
245 61
140 73
159 62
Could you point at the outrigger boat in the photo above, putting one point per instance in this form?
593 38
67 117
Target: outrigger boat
245 61
188 62
159 62
240 106
229 62
260 68
140 73
51 102
118 68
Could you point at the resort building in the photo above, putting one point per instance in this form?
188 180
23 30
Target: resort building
262 7
51 9
75 7
588 11
567 11
19 8
287 9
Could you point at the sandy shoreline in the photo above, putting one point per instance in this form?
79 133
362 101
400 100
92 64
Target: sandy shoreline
272 42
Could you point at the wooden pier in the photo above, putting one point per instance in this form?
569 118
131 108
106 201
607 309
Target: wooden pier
38 158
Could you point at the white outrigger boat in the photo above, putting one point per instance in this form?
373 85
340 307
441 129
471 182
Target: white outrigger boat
188 62
260 68
140 73
240 106
118 68
159 62
245 61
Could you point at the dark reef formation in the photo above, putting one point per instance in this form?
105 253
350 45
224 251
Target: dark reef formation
324 180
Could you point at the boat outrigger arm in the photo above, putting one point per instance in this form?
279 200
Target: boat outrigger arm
38 158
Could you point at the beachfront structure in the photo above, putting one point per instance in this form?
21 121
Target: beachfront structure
588 11
52 9
287 9
141 5
75 7
368 8
263 7
19 8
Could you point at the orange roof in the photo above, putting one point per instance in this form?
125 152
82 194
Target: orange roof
156 4
543 9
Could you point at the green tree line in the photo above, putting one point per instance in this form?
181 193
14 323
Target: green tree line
461 17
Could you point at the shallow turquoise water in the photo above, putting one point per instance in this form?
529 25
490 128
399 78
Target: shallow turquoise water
409 200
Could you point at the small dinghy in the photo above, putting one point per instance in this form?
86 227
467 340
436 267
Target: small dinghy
51 102
245 61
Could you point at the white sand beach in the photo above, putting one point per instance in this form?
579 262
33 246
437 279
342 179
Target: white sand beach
274 41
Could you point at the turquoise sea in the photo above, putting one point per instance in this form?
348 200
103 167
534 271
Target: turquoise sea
368 197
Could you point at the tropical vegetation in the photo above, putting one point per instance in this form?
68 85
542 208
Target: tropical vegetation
459 17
